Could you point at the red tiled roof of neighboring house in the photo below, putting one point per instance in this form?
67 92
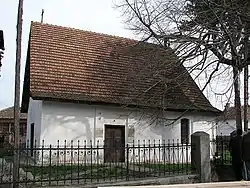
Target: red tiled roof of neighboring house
75 65
230 113
8 113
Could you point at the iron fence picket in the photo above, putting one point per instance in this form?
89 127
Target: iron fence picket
221 155
76 163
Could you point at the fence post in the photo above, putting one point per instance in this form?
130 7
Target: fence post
127 162
50 155
222 150
200 155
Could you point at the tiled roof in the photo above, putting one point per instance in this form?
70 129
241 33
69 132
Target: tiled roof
8 113
71 64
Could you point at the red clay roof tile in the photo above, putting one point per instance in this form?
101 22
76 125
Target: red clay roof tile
72 64
8 113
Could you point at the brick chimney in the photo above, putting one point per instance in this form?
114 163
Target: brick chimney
1 46
1 40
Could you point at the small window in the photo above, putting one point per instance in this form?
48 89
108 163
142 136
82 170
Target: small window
12 128
185 131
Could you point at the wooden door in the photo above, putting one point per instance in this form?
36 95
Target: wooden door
114 150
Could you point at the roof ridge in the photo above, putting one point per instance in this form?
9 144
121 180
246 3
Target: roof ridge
8 108
91 32
8 113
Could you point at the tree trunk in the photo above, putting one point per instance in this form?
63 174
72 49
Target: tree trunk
245 98
246 56
237 102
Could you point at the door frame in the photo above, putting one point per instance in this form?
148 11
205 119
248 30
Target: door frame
124 137
115 125
32 139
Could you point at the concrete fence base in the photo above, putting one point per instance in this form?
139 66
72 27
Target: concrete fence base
185 179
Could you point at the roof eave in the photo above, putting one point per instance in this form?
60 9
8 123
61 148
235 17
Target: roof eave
215 111
26 84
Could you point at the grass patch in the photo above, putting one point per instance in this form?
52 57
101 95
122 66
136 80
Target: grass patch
104 171
224 158
57 169
168 167
61 172
6 152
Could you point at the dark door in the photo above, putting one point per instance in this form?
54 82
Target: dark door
114 150
32 126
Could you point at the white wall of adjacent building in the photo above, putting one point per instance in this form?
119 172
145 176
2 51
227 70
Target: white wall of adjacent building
225 128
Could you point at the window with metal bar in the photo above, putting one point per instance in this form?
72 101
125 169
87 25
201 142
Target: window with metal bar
185 125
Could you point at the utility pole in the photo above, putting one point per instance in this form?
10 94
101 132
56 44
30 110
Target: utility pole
17 95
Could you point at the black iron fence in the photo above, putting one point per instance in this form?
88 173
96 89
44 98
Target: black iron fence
86 163
221 151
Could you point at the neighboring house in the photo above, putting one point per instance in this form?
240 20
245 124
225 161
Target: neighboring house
7 126
226 122
81 85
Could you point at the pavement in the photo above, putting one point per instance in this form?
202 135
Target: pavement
198 185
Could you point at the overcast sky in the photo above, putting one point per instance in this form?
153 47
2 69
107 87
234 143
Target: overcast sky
93 15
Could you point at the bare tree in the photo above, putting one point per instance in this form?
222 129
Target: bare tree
202 33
